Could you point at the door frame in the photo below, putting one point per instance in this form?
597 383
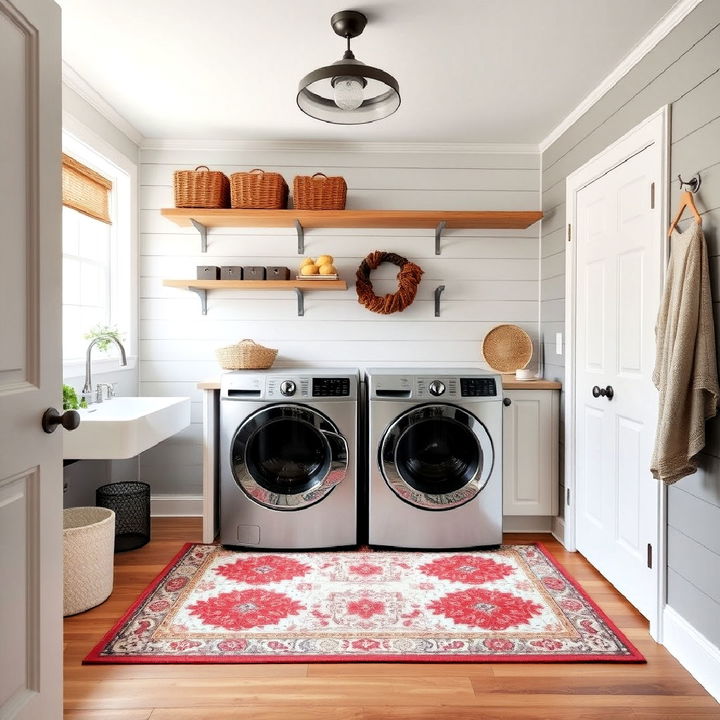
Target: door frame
654 130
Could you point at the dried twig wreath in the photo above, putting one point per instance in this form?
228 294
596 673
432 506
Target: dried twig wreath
408 279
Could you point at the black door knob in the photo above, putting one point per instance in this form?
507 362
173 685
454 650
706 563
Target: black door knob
51 418
607 392
507 402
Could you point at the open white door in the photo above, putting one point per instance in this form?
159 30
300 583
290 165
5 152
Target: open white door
30 361
618 229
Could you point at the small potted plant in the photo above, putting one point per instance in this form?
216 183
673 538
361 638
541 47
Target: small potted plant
70 399
104 332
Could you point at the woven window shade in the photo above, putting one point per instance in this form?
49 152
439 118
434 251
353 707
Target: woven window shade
85 190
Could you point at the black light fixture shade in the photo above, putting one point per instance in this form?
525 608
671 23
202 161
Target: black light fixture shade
348 92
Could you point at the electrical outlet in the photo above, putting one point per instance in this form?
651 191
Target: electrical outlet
558 343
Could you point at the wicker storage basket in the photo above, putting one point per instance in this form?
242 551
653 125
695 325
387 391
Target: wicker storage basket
246 355
200 188
88 544
319 192
258 190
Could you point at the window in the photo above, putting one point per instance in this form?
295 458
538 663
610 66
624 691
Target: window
97 251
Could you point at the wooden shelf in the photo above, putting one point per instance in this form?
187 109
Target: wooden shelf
302 220
201 287
257 284
309 219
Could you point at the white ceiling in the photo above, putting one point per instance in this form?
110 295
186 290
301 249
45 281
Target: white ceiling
487 71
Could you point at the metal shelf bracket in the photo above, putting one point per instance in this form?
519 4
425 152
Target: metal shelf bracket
438 292
301 301
202 294
438 235
301 237
202 229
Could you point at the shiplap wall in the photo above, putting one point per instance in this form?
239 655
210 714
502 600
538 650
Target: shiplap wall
490 276
684 70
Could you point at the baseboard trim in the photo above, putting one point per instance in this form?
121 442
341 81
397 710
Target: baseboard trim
693 650
176 505
527 523
558 529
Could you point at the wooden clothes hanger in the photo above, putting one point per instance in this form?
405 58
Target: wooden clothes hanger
687 200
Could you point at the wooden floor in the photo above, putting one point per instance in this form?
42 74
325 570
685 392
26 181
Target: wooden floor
660 689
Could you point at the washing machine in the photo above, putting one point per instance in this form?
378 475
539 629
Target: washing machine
435 458
288 451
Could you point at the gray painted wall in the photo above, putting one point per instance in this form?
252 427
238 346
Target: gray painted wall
683 70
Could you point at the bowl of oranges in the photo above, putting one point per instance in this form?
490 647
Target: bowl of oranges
321 268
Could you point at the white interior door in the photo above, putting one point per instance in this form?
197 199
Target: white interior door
619 251
30 361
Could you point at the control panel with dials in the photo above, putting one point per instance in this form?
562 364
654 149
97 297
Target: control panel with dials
435 387
287 385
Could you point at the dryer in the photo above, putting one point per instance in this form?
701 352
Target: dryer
288 442
435 458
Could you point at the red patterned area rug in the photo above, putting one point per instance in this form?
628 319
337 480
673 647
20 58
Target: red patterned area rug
212 605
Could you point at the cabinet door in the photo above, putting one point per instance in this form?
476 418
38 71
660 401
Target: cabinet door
530 452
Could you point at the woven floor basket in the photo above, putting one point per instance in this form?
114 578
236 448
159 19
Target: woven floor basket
258 190
200 188
246 355
507 348
319 192
88 554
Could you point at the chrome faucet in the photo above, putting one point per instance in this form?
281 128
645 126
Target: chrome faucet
87 392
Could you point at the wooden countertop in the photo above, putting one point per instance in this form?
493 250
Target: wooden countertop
509 383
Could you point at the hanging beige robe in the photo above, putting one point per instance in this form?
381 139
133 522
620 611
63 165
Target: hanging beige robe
685 364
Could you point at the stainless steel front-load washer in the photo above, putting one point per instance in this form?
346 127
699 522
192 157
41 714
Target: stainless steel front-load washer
435 458
288 442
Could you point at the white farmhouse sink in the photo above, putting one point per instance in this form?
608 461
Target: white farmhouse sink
125 426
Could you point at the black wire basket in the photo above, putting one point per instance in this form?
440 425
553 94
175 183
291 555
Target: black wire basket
131 503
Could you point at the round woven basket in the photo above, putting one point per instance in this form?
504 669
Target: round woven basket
88 553
246 355
507 348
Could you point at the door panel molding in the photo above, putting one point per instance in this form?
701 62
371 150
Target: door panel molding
25 374
18 505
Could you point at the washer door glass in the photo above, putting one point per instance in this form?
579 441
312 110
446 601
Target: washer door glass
436 456
288 457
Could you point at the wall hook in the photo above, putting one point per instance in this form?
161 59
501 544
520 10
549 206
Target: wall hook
438 292
693 184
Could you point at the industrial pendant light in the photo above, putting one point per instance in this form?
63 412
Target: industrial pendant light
348 92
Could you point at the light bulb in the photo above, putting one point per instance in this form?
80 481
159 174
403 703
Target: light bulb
348 92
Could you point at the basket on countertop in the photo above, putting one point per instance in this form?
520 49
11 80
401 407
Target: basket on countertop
201 188
258 190
246 355
319 192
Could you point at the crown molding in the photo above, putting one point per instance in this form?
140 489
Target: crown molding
663 27
339 146
91 96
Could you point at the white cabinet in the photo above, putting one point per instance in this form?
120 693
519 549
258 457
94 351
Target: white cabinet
531 452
